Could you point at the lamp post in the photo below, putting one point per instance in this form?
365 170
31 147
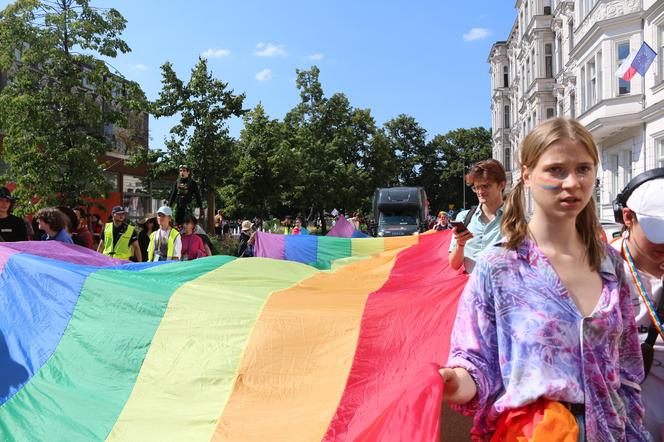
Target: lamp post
463 183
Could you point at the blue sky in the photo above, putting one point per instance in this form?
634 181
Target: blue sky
423 58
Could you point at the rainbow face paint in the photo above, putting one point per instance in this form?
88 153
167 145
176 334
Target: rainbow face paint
548 183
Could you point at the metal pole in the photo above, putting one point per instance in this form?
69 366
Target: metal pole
463 184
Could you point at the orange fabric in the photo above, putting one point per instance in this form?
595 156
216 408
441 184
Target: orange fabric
296 363
541 421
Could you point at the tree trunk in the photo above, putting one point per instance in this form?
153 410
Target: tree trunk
210 212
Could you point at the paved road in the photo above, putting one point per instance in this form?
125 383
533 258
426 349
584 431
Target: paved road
455 427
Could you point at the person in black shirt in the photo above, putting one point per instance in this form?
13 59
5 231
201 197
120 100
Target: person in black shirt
12 228
184 190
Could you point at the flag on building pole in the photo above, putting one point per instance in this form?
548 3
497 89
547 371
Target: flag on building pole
637 62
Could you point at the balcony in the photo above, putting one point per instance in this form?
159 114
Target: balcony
612 115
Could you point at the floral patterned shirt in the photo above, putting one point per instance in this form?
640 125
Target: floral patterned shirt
521 337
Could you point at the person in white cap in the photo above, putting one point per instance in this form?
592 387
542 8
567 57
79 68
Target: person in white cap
640 207
165 243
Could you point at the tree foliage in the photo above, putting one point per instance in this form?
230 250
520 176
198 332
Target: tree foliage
60 97
201 139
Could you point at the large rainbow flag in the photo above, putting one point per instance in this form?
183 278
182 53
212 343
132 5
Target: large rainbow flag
220 348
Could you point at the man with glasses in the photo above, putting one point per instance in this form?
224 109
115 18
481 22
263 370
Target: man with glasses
487 179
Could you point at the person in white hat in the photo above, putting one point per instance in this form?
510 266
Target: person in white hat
640 207
165 243
246 245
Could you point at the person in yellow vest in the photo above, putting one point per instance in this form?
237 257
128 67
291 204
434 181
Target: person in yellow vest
165 243
119 239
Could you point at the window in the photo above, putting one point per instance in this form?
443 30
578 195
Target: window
526 14
506 117
627 166
660 153
528 71
660 43
623 53
507 158
584 92
613 168
532 60
561 109
550 113
547 7
572 104
586 7
592 83
559 53
534 119
570 33
506 77
548 60
599 75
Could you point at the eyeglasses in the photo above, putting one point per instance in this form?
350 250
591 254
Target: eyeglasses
481 187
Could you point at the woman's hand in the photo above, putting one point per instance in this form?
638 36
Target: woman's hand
458 386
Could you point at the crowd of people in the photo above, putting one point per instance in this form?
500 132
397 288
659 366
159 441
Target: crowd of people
555 326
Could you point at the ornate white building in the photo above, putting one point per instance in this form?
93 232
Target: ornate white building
560 59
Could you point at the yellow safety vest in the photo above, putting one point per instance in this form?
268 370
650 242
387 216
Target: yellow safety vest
122 250
172 236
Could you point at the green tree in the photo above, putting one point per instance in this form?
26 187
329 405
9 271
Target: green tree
407 139
60 97
459 149
201 139
263 163
332 141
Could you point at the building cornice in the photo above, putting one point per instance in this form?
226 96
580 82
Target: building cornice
653 112
656 9
606 13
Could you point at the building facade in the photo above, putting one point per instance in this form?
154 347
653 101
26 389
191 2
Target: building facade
126 181
560 59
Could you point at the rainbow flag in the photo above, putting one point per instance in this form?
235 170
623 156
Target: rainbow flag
221 348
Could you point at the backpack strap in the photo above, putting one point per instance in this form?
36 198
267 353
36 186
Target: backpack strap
469 215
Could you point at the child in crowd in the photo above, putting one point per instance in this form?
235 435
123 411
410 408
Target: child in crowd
192 244
545 329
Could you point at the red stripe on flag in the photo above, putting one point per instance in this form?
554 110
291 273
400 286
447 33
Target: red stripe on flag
631 72
393 392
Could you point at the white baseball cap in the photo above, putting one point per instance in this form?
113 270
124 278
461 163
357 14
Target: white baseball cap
165 210
647 201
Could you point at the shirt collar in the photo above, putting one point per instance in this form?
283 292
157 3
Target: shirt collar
478 211
529 252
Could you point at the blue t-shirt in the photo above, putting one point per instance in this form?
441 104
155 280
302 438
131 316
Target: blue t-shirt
484 236
62 236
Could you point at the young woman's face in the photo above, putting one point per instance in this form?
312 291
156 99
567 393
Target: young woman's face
562 181
189 228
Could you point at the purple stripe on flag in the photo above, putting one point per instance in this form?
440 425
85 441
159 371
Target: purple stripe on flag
342 228
60 251
269 245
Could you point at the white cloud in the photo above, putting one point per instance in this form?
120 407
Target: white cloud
476 34
216 53
269 49
315 57
139 67
264 75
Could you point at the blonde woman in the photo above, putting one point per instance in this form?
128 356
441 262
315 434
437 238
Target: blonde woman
545 329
